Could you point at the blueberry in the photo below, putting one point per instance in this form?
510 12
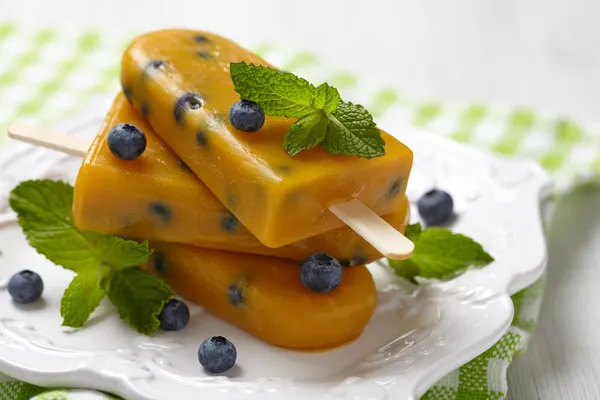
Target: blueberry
174 316
436 207
320 273
126 141
246 116
217 354
229 223
188 101
25 287
162 211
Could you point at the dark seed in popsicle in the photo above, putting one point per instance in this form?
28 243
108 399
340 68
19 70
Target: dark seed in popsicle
127 92
204 54
156 64
201 39
159 261
201 138
186 102
229 223
161 210
395 188
236 294
145 109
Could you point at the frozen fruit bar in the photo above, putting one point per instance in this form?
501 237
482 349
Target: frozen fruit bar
156 197
179 80
264 295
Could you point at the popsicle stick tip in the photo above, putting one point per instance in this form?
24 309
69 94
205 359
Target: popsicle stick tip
374 229
36 136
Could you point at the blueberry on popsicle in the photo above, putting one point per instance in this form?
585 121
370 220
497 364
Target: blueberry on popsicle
126 141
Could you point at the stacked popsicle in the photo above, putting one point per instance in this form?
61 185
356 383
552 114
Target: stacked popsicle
229 212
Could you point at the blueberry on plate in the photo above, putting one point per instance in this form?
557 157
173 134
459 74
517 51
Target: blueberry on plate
25 287
320 273
436 207
174 316
126 141
217 354
246 116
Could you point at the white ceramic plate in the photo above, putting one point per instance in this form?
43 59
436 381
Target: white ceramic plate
412 340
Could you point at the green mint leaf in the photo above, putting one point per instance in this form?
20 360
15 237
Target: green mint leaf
413 231
405 269
280 94
81 298
43 209
104 264
440 254
326 98
305 133
351 131
139 297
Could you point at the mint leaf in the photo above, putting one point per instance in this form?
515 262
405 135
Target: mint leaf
440 254
104 264
351 131
43 209
305 133
405 269
326 98
413 231
139 297
81 298
280 94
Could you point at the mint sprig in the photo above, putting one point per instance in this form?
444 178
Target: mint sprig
341 128
439 254
101 262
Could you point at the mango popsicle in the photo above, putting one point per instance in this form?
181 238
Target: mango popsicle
156 197
179 80
264 296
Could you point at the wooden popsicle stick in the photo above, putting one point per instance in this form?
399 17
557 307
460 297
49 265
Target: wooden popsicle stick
360 218
68 144
374 229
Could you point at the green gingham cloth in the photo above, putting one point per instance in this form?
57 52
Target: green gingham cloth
46 74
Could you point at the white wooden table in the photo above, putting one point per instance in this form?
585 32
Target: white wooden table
539 53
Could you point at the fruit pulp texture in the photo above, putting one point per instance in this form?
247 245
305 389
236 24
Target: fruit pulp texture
179 80
156 197
264 295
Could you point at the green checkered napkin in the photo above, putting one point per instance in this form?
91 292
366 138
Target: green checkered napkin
46 75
